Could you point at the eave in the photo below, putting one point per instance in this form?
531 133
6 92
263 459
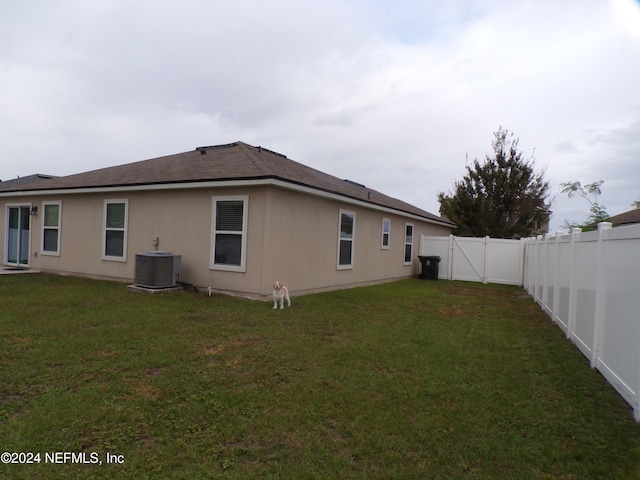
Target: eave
227 183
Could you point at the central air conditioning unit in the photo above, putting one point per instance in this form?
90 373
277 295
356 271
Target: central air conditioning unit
157 269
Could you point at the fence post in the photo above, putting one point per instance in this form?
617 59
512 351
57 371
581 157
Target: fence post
485 242
600 294
556 297
450 259
573 285
545 277
523 260
533 270
529 269
537 296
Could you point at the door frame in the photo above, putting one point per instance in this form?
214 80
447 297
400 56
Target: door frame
20 206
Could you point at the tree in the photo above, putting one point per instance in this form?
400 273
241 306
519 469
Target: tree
590 193
503 198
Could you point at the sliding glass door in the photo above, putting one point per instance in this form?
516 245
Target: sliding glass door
18 236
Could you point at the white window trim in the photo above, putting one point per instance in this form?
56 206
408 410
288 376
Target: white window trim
44 227
245 215
352 239
405 243
387 233
125 230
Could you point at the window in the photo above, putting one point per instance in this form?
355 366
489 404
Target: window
386 231
229 237
408 243
51 228
114 241
345 239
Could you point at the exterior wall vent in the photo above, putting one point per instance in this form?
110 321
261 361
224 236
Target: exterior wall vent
157 269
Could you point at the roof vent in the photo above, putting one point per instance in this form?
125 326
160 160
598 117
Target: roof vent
262 149
351 182
203 150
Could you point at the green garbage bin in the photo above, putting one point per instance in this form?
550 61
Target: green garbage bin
430 266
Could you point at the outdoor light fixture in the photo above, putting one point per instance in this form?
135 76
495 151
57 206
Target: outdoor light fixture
34 210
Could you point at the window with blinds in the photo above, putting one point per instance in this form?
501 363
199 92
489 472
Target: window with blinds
345 239
51 228
408 243
229 233
386 233
114 240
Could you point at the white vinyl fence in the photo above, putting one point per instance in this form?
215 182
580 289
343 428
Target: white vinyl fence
486 260
589 284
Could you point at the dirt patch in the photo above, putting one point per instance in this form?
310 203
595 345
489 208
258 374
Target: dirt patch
142 388
452 310
467 292
146 390
212 350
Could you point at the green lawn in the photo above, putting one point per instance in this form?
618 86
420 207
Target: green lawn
413 379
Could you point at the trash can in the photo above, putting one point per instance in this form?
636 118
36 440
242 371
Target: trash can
429 267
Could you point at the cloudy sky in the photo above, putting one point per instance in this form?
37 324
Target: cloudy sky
394 94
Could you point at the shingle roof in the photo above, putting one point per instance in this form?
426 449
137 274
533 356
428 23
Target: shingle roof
632 216
37 177
234 161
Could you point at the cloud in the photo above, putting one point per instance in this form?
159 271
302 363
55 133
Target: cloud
567 146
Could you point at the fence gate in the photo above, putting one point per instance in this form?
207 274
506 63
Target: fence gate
486 260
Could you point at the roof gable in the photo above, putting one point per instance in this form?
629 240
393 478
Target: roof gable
234 161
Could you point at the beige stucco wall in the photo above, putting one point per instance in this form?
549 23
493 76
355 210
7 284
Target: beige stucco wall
304 243
291 236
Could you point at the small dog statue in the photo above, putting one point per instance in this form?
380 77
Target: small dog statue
280 293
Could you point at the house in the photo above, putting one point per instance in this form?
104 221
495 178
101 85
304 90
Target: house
240 216
626 218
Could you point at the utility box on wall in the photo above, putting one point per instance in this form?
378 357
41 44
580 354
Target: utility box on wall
157 269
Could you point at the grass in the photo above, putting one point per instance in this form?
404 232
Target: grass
412 379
